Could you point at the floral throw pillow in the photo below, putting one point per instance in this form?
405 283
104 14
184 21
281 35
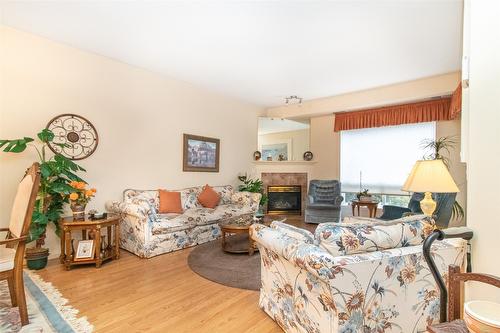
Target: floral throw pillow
345 239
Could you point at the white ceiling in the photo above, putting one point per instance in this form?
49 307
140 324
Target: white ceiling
261 51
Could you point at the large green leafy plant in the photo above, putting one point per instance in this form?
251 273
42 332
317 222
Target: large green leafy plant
254 186
440 149
56 173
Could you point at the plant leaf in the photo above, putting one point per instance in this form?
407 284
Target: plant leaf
46 135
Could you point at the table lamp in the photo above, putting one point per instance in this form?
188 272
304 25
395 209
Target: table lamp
430 176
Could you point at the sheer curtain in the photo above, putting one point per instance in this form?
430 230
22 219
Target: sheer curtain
384 156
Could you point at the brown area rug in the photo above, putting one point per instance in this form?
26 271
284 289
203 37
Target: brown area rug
233 270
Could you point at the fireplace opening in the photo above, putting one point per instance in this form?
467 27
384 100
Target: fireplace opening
284 200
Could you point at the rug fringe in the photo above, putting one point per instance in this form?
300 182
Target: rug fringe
80 325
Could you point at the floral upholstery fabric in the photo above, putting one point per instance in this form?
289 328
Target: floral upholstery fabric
246 199
298 233
146 233
344 239
306 289
375 221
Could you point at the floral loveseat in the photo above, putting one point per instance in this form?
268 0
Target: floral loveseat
146 233
351 278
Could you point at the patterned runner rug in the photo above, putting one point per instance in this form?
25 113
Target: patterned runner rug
48 311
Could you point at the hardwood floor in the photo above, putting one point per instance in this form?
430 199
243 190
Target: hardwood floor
160 294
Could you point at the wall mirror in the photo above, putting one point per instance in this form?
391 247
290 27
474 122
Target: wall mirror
283 139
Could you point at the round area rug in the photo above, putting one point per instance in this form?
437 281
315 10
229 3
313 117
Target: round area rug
234 270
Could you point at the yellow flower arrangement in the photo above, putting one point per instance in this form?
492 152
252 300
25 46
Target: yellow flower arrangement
81 195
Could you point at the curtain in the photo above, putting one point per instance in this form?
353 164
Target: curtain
445 108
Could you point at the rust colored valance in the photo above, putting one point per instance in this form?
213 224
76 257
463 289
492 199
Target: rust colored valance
437 109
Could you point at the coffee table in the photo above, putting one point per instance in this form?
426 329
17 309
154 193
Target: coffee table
241 241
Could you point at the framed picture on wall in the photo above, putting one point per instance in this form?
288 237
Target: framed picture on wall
200 154
278 150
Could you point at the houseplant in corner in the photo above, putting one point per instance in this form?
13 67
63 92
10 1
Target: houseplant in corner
254 186
57 172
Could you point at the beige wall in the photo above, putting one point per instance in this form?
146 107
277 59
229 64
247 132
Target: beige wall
483 155
140 117
416 90
299 139
325 145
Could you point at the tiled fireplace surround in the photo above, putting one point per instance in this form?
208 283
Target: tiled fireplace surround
286 178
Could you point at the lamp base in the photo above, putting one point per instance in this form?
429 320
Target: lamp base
428 205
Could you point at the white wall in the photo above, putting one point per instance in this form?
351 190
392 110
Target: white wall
483 156
140 118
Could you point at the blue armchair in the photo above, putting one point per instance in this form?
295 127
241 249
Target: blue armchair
324 201
442 214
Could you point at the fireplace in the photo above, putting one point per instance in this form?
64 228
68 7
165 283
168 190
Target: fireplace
284 199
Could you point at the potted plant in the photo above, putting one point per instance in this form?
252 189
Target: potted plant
57 172
364 195
79 199
254 186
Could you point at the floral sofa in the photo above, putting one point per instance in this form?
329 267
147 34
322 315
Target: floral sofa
147 233
352 277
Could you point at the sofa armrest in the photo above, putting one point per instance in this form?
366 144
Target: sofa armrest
338 200
306 256
247 199
390 212
139 211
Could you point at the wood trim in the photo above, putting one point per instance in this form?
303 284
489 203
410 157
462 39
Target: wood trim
186 167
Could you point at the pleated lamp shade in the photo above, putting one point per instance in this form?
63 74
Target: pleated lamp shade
430 176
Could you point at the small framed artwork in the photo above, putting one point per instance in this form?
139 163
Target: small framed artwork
279 150
200 154
85 250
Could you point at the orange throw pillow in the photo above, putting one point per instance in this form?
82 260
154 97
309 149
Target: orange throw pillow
170 202
208 198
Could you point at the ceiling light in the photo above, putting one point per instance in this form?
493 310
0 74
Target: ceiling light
293 99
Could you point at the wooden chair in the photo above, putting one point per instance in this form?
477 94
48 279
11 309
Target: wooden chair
455 279
12 255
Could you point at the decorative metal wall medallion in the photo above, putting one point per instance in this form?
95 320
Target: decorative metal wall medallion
75 136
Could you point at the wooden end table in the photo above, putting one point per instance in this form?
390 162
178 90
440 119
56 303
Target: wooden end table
371 205
90 229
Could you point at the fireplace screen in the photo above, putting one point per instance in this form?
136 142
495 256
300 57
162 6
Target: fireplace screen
284 200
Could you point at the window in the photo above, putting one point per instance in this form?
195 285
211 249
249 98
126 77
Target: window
383 156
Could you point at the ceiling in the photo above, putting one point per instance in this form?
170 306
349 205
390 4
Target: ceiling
260 51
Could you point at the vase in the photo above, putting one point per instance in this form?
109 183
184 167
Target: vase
78 212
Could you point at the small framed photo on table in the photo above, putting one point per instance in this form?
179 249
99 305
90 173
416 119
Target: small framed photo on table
85 250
